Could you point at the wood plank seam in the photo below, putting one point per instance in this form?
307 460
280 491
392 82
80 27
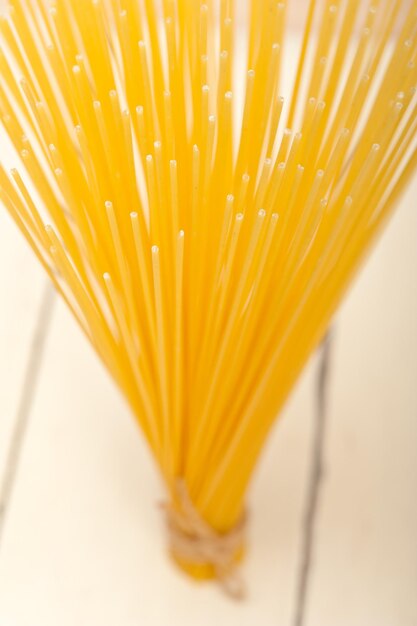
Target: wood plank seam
34 360
315 480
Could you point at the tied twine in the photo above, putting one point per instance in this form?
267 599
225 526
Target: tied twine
192 540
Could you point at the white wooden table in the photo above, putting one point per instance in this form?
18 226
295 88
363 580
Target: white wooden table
81 540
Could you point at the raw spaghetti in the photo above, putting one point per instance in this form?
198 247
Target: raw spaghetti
202 222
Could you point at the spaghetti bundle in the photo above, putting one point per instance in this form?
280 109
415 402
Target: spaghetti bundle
201 224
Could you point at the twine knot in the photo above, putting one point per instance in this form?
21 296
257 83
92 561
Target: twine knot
194 541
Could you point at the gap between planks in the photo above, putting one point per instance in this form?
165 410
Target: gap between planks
29 385
315 480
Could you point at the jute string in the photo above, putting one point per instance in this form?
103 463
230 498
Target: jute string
192 540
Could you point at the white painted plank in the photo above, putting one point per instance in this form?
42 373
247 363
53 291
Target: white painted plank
365 569
83 543
21 288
